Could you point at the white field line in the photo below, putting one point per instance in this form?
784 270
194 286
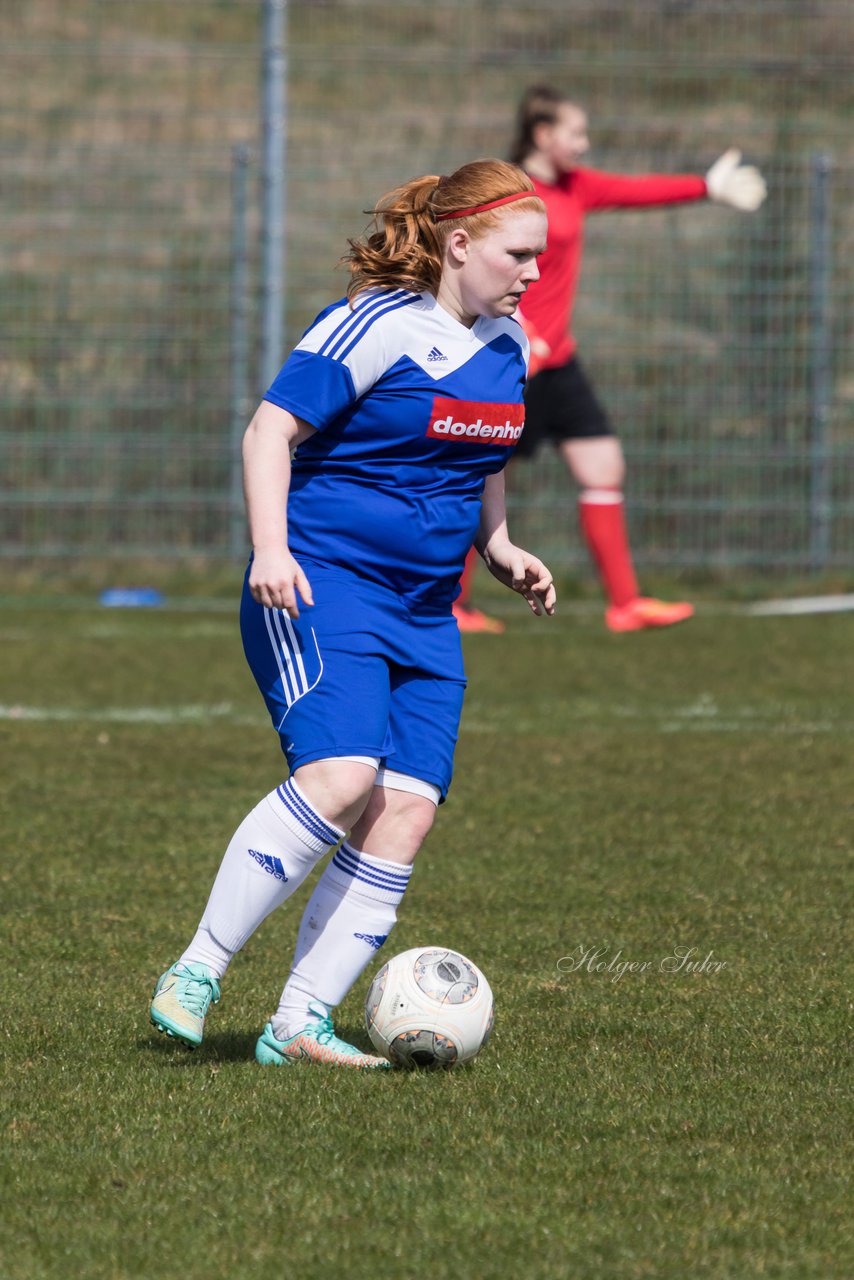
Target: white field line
801 605
701 716
648 723
194 714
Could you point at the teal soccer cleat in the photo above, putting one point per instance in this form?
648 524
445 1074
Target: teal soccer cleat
317 1042
181 1000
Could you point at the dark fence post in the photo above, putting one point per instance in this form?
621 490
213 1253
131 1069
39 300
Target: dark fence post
273 173
820 360
239 400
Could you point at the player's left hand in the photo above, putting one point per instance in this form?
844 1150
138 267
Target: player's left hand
524 573
741 186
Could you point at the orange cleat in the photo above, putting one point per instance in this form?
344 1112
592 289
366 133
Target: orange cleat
470 619
644 612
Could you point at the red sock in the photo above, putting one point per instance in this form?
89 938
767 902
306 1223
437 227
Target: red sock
603 524
464 598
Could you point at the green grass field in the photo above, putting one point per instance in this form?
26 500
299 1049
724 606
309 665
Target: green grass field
632 795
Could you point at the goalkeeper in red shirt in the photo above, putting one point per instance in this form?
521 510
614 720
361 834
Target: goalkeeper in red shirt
560 403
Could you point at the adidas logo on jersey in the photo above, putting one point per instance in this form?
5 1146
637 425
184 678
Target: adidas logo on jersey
436 355
273 866
467 421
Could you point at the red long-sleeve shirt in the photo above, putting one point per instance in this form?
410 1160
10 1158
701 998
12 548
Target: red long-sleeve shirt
548 304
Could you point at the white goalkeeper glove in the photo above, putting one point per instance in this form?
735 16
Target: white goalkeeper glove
739 185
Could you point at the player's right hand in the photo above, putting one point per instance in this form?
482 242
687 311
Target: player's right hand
522 572
277 582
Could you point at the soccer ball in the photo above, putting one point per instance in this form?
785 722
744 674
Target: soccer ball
429 1007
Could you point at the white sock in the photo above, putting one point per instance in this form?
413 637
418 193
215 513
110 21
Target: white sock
351 913
270 854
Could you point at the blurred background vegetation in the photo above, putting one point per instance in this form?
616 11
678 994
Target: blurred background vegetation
721 343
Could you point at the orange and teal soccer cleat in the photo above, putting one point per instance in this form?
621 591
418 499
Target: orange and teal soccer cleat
644 612
473 620
317 1042
182 997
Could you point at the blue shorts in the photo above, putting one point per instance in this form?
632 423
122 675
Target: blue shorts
358 675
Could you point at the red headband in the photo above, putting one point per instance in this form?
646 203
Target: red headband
490 204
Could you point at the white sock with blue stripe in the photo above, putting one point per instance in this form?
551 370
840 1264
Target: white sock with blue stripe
351 913
270 854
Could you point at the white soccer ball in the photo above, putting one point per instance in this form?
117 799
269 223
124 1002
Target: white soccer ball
429 1007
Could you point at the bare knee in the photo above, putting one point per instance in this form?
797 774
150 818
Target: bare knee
338 789
394 824
597 463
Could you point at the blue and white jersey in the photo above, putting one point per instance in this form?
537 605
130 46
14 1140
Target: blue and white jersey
413 411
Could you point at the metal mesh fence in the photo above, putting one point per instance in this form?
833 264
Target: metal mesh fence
720 343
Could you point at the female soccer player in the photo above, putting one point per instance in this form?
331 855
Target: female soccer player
404 401
560 404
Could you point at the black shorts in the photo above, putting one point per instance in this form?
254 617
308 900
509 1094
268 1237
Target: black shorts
560 404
